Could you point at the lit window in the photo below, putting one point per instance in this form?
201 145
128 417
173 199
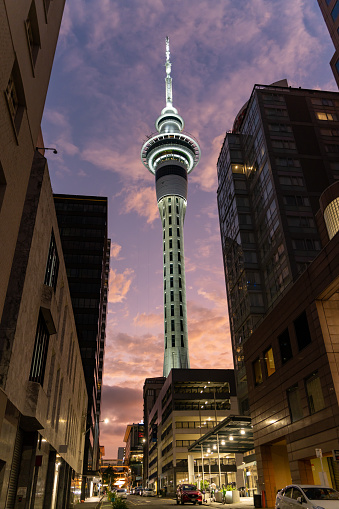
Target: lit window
269 361
322 115
52 267
38 365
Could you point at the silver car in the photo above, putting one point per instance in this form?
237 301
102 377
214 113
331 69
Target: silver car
298 496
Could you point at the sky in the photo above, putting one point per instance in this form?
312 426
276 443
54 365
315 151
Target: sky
107 89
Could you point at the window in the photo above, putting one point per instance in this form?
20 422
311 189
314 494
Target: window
171 268
285 346
178 232
306 244
314 393
170 209
171 281
182 341
323 115
179 269
181 326
302 331
335 11
179 257
171 256
181 314
33 36
294 403
39 357
173 340
172 309
170 232
257 372
269 361
172 295
172 326
178 243
170 243
52 267
165 342
170 220
180 286
15 98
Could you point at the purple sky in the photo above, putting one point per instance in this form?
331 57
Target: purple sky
106 91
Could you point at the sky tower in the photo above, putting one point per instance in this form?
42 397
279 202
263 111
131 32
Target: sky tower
171 155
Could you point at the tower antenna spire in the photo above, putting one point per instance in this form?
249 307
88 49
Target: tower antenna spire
168 79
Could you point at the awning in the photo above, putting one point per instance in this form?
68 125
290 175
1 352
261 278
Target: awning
234 434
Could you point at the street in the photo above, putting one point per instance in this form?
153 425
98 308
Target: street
144 502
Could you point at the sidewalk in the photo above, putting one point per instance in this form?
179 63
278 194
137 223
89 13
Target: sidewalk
245 503
92 502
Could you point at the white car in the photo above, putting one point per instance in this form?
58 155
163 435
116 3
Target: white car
121 493
305 496
148 492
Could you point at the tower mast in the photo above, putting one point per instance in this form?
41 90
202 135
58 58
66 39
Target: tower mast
171 155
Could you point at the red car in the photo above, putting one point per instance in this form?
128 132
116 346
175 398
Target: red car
188 493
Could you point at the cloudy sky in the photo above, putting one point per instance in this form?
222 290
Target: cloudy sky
107 89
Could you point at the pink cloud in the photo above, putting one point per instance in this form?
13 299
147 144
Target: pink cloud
119 285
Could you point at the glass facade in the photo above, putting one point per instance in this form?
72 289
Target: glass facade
271 173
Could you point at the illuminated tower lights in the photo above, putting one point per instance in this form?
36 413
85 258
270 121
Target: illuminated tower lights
170 155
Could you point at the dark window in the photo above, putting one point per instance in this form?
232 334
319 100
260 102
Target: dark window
165 298
181 310
179 269
179 259
178 221
182 341
171 256
173 340
335 11
32 31
285 346
164 258
294 403
172 309
169 209
165 284
15 98
178 232
166 330
180 296
170 220
257 372
180 282
52 267
302 331
172 326
171 269
178 243
164 271
38 365
172 295
171 281
170 232
170 243
165 343
314 393
181 326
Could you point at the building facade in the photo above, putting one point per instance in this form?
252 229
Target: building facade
293 376
29 33
134 439
190 402
82 224
274 165
330 11
43 397
170 155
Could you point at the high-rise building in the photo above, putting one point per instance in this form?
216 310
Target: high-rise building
330 11
276 170
272 169
82 223
171 155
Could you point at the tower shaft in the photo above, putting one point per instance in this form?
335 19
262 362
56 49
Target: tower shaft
170 155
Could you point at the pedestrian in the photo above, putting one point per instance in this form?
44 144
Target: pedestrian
223 494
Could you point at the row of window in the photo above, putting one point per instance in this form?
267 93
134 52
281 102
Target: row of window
303 337
172 296
173 341
173 325
170 232
171 257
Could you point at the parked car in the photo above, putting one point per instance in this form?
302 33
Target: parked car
188 493
297 496
121 493
148 492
